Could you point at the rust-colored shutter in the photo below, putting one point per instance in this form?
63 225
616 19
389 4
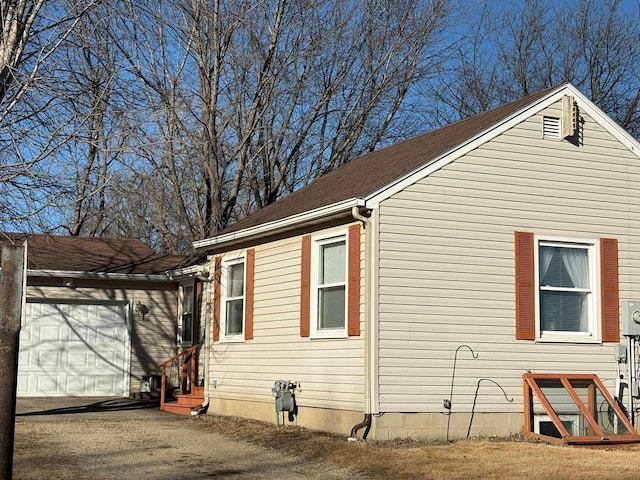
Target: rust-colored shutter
248 315
609 286
353 287
525 287
305 290
217 285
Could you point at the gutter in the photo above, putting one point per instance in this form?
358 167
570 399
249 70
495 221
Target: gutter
284 224
98 275
201 272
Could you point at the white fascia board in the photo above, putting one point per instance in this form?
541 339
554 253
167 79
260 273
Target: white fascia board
284 223
495 130
98 275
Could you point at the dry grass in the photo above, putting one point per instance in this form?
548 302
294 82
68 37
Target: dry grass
468 459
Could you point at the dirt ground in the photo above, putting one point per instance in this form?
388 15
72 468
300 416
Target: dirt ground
96 439
121 439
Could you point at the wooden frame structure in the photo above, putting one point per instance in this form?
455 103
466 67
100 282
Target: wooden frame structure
602 421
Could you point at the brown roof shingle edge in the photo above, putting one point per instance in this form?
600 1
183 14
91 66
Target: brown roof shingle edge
92 255
372 171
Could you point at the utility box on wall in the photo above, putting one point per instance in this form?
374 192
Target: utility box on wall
284 393
631 318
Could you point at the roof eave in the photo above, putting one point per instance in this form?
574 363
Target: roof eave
99 275
281 225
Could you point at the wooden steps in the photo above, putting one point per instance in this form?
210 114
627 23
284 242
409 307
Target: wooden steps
186 402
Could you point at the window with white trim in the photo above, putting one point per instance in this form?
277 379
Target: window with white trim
186 327
233 299
329 286
567 290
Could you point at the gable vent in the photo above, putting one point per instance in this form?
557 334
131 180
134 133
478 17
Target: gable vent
551 128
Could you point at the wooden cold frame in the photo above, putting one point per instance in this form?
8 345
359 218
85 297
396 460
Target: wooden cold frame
596 436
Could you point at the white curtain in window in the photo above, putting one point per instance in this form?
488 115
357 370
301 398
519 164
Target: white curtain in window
576 262
563 269
546 254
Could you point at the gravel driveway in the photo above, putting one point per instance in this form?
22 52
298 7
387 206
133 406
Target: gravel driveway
123 439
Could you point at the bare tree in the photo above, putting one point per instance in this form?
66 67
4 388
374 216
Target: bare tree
168 120
32 31
251 100
95 144
603 48
18 18
511 50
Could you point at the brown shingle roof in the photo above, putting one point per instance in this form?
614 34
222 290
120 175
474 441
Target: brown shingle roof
368 173
91 255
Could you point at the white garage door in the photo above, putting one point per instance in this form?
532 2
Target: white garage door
72 349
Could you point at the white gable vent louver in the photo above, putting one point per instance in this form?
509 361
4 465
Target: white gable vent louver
551 128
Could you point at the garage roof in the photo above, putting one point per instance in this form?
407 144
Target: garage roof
92 255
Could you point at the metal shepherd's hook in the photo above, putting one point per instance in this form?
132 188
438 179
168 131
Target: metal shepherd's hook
447 402
475 398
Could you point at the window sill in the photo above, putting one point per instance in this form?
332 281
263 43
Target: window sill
239 339
549 338
330 334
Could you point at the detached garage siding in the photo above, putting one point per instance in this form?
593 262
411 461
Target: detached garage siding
74 348
89 340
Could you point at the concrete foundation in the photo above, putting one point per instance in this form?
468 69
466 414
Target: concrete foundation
387 426
433 426
339 422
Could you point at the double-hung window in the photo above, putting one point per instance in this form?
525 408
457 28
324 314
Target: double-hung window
233 299
566 279
233 294
566 289
186 327
329 286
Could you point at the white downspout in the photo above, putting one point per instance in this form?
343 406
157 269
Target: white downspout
368 327
207 285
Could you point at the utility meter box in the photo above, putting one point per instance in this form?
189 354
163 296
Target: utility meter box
631 318
283 392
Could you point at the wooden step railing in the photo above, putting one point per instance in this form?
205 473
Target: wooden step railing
190 357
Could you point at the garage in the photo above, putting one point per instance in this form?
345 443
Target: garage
71 348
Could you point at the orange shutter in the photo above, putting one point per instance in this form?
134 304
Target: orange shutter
305 291
248 318
609 286
525 287
217 285
353 287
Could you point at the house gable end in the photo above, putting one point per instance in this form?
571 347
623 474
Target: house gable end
585 106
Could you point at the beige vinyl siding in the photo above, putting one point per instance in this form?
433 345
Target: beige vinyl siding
446 266
153 338
330 371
